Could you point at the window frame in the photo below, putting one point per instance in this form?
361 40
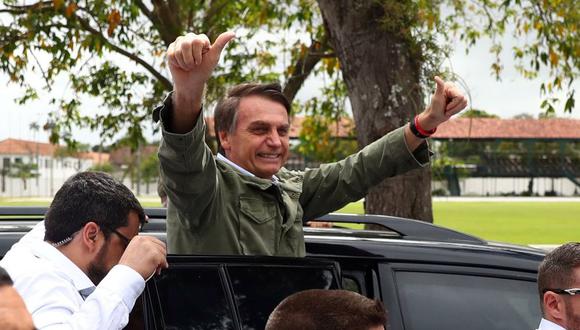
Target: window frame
153 317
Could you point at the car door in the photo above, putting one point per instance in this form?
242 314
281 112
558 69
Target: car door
439 296
228 292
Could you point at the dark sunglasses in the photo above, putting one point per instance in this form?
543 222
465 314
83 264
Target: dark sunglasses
124 238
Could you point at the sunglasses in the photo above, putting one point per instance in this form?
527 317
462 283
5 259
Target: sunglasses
124 238
570 292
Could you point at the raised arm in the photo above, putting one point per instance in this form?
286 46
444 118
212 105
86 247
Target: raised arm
191 59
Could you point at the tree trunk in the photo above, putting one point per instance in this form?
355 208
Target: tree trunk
383 81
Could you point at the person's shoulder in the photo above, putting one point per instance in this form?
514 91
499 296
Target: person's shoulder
39 284
32 270
26 267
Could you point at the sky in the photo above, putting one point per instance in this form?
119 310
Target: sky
511 96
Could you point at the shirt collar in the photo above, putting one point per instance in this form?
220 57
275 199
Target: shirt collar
61 262
239 168
549 325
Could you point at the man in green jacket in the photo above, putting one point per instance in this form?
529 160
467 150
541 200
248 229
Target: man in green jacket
243 201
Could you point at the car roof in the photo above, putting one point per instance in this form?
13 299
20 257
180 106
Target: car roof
399 239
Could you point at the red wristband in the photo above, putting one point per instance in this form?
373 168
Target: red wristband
421 130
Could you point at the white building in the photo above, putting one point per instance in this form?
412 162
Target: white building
54 166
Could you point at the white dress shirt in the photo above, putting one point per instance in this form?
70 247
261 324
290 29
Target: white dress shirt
549 325
50 285
239 168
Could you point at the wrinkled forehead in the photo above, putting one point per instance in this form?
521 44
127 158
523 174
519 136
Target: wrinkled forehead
259 109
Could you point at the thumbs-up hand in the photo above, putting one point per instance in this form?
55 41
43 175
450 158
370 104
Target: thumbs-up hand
447 101
192 59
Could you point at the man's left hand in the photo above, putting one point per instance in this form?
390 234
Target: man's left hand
447 101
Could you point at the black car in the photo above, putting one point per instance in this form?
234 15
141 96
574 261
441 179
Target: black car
428 277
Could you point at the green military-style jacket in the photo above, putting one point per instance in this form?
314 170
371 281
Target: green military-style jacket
215 209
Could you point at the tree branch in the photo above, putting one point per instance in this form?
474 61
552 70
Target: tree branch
165 30
164 81
34 6
169 20
304 66
214 8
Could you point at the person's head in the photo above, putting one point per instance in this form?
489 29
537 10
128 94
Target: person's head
327 309
252 125
13 312
91 220
558 272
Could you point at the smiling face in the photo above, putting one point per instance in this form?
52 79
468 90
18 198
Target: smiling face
259 141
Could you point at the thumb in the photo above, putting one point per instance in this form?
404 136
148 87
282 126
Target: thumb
440 86
222 40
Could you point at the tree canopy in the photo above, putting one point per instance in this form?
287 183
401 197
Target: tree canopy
114 51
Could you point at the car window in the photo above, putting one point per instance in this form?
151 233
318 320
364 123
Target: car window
351 284
193 298
455 301
258 289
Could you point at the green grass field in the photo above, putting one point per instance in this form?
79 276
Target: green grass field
513 222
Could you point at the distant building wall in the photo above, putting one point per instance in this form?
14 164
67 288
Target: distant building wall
517 186
53 172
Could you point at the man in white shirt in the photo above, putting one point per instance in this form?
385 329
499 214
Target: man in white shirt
559 287
91 265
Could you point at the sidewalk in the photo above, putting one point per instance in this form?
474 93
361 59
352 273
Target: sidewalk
545 247
506 199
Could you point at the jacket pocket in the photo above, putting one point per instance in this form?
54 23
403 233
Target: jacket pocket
258 226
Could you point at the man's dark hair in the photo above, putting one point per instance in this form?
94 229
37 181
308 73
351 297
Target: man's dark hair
90 196
557 269
327 309
4 277
225 114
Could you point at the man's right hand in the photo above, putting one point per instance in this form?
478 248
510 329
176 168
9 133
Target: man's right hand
192 59
145 255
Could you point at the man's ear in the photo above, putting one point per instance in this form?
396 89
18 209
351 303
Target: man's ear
89 235
225 140
553 306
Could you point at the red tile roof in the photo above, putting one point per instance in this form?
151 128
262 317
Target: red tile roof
96 157
23 147
124 155
491 128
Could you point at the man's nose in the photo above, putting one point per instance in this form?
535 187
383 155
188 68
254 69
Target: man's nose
274 139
